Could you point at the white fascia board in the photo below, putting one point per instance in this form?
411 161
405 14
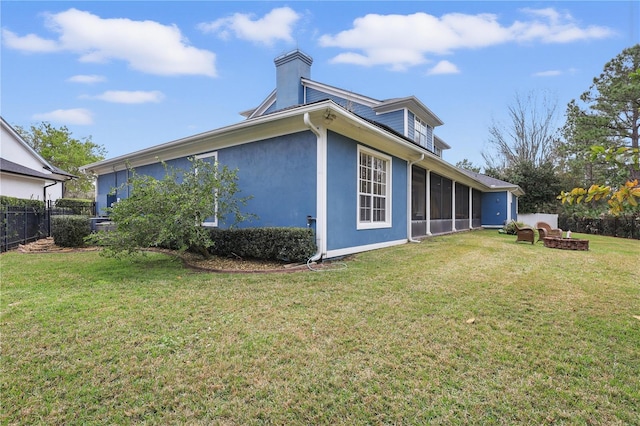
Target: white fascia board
265 105
411 103
247 131
440 143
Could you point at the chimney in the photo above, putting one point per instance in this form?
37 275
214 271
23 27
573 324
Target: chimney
290 68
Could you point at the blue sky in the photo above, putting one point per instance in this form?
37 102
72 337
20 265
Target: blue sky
135 74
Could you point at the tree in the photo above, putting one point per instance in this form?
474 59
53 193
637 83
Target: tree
523 151
530 137
467 165
621 200
608 115
540 185
169 212
59 148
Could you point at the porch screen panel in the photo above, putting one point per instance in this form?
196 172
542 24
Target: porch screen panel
462 201
476 208
440 197
418 193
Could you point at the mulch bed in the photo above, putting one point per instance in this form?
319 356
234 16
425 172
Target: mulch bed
190 260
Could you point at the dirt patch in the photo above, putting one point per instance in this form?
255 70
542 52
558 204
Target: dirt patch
46 245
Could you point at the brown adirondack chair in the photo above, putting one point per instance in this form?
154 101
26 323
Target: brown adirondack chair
524 234
545 230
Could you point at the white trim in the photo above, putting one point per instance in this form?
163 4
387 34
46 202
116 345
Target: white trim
388 195
341 93
470 207
359 249
453 205
321 190
213 154
428 199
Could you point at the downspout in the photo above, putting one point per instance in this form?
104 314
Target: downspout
44 190
321 188
410 197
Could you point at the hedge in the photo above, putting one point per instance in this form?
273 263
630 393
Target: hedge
70 231
76 206
21 202
613 226
275 243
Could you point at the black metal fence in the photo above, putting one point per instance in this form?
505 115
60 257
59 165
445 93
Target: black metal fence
22 225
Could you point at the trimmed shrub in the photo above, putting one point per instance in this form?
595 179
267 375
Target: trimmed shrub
75 206
285 244
21 202
70 231
612 226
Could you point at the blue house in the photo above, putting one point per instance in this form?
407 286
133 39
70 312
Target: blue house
364 173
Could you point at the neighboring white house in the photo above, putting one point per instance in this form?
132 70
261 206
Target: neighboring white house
24 173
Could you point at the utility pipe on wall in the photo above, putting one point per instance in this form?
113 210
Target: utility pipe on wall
321 190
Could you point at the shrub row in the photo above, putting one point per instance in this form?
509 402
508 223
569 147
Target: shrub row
612 226
287 244
21 202
70 231
75 206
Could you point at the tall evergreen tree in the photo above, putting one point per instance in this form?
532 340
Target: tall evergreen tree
607 115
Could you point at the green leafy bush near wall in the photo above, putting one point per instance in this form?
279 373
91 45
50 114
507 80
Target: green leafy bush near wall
21 202
70 231
286 244
510 228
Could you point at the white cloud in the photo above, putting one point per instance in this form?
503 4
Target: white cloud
554 73
549 73
28 43
276 25
555 27
77 116
147 46
130 97
402 41
444 67
87 79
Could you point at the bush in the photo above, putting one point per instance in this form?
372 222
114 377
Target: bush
22 202
286 244
509 228
70 231
612 226
75 206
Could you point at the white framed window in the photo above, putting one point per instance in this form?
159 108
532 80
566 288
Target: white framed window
374 189
423 134
213 157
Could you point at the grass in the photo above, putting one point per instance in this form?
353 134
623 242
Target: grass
387 340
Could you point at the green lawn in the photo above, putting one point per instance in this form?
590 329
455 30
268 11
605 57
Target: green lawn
470 328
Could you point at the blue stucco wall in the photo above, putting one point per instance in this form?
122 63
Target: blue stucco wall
280 174
342 202
108 182
494 208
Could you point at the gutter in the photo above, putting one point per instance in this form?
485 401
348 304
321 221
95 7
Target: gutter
321 188
410 197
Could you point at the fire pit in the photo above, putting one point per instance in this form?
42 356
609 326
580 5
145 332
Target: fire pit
566 243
